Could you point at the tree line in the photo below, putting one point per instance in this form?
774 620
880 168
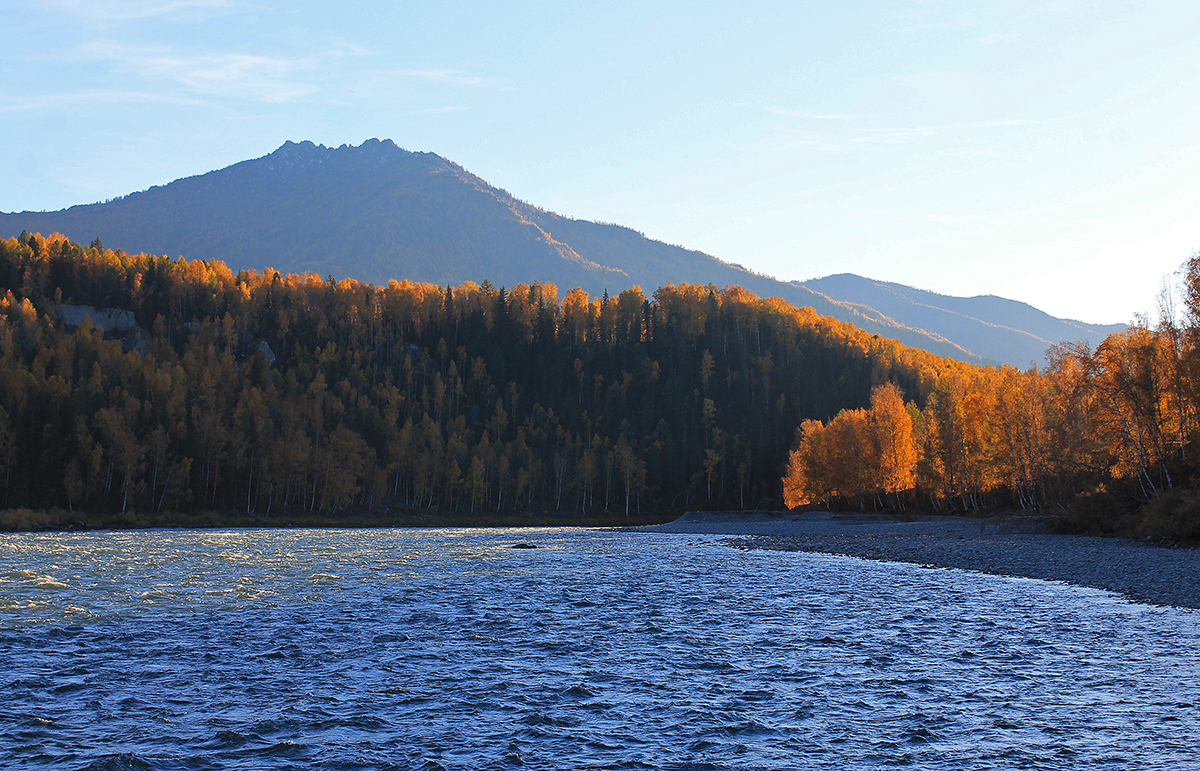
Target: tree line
273 394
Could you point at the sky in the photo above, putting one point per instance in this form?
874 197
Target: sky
1044 151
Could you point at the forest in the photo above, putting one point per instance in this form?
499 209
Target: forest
1104 440
137 389
143 389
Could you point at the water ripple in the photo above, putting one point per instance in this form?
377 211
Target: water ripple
449 650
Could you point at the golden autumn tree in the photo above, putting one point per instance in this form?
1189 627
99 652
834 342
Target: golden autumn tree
860 456
895 443
808 478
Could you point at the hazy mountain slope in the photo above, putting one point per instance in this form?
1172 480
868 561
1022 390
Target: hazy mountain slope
377 212
652 263
1007 330
373 212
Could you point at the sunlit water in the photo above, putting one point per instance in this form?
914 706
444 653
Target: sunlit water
447 649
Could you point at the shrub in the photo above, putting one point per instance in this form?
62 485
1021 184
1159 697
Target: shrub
1171 516
29 519
1097 512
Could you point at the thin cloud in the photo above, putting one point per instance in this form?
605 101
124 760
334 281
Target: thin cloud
1000 38
810 115
838 134
977 153
899 135
346 49
65 102
436 110
120 10
238 75
982 220
938 26
454 77
842 138
788 142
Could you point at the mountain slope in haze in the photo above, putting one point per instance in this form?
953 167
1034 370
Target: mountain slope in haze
654 263
376 212
1010 331
373 212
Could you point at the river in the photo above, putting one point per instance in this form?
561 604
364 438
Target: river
448 649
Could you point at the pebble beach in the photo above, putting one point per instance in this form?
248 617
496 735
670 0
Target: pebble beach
1010 546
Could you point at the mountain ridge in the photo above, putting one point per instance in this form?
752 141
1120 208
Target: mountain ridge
376 212
989 322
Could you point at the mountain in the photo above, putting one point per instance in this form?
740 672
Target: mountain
377 212
1009 331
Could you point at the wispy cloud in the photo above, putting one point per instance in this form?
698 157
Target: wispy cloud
1000 38
810 115
345 50
787 141
837 136
119 10
454 77
66 101
984 219
436 110
238 75
891 135
888 134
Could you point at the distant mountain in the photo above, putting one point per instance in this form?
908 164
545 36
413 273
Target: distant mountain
377 212
1007 330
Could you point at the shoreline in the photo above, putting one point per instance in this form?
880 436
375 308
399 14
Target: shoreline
61 521
1008 546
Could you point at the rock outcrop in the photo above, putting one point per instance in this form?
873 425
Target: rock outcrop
116 324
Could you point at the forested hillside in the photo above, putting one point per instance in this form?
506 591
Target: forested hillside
377 212
275 394
1106 439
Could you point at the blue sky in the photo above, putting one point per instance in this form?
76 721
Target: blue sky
1045 151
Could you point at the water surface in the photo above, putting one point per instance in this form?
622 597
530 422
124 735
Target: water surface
381 649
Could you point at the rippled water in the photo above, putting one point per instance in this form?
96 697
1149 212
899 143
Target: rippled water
448 649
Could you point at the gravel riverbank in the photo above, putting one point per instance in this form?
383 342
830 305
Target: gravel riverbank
1003 546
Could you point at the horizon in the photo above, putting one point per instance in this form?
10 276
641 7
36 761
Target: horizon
916 145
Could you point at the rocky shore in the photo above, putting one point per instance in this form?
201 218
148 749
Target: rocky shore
1011 546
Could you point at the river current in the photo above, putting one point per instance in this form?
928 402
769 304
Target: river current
398 649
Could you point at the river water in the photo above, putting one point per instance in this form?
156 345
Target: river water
397 649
